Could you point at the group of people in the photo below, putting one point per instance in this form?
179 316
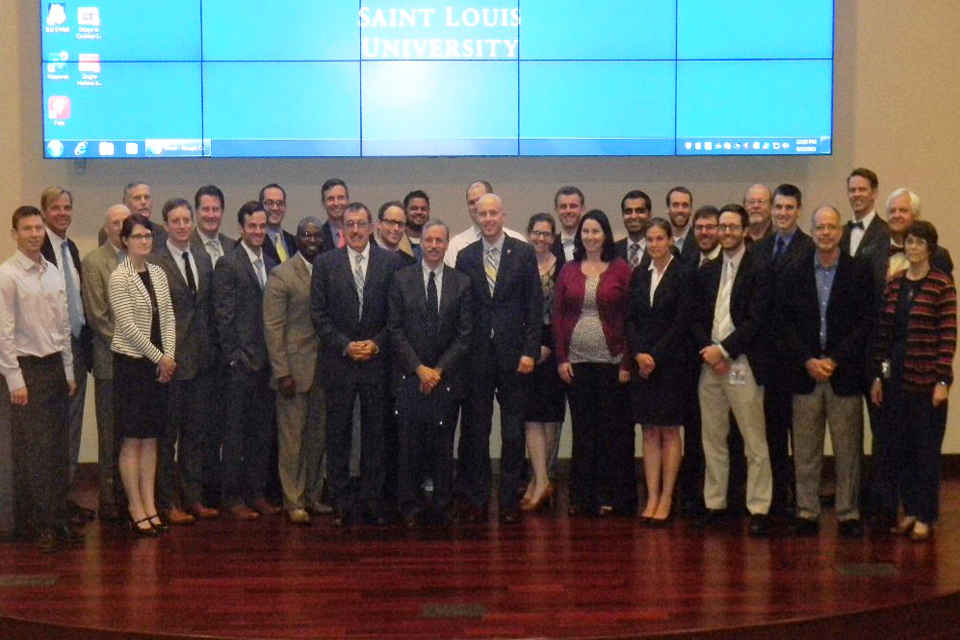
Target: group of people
326 371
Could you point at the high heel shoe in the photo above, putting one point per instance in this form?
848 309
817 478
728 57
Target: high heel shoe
659 523
905 526
921 532
135 528
158 524
546 498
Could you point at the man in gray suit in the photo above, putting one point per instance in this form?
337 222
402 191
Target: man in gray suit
209 203
97 267
190 276
292 345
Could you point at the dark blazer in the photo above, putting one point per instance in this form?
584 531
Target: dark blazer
849 322
409 342
238 308
327 237
334 308
799 246
557 250
620 246
690 254
86 333
660 329
878 231
749 308
510 321
405 258
196 351
878 256
226 242
289 241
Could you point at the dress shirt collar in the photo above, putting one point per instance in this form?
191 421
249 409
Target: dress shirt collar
787 237
867 219
735 257
55 240
27 264
498 244
818 265
176 251
250 254
306 262
682 233
426 270
653 266
207 238
352 254
710 255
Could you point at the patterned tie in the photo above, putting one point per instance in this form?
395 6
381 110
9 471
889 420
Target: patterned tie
216 251
281 248
358 282
634 254
258 264
490 266
74 305
433 312
191 281
722 320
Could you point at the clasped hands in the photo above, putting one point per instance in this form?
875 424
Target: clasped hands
361 350
713 356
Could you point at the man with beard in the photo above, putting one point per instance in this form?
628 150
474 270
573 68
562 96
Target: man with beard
416 205
389 234
680 210
757 200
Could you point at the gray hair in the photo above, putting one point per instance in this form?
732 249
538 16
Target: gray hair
308 220
435 222
914 199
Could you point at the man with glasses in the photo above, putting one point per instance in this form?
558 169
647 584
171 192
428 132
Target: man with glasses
757 200
348 305
389 234
279 244
731 296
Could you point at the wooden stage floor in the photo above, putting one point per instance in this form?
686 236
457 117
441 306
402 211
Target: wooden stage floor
549 577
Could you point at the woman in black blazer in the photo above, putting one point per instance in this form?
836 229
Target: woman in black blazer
657 329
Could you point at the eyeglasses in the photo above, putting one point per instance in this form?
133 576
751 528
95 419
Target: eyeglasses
141 236
756 201
355 224
704 227
730 227
392 223
542 234
820 228
275 203
308 235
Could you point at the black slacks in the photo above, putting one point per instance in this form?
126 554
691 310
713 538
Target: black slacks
425 444
249 437
340 400
602 468
778 413
180 453
41 444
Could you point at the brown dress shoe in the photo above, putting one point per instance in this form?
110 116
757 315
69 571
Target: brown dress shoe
243 512
201 512
264 507
179 516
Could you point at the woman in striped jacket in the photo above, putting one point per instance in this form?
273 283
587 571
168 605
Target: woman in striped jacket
914 353
143 344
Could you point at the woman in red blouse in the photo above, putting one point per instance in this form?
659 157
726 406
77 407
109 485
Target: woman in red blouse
589 313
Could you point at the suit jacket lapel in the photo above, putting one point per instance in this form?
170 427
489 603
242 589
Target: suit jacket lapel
503 269
172 266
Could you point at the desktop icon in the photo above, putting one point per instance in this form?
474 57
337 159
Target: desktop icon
89 62
106 148
55 148
80 149
708 146
58 107
756 145
727 146
56 14
89 16
132 149
688 145
776 145
697 146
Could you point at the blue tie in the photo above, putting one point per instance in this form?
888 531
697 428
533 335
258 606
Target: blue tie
74 305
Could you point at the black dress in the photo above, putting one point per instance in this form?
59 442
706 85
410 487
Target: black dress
545 398
660 329
139 399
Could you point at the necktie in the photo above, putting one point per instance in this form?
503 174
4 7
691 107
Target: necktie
778 251
258 265
634 254
895 249
432 310
490 265
191 281
722 320
857 225
358 282
74 305
215 251
281 248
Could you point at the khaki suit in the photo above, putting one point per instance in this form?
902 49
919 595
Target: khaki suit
95 279
292 348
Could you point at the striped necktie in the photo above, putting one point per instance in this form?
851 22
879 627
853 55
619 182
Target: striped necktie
490 265
358 282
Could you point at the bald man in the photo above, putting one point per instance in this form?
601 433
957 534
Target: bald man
97 267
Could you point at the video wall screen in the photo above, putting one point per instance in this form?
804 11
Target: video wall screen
322 78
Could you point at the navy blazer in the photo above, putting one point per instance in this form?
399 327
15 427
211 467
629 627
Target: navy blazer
749 308
238 307
196 351
662 328
510 321
409 342
86 333
335 307
849 322
289 241
800 245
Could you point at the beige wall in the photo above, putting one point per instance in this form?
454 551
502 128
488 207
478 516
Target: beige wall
896 105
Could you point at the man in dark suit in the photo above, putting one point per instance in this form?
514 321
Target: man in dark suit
867 228
56 203
348 304
635 207
885 257
429 326
825 318
335 197
680 211
507 311
389 234
249 436
776 253
189 273
210 204
278 244
731 297
139 199
568 205
757 200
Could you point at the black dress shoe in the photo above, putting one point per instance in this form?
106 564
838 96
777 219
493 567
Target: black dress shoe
510 515
68 535
851 528
805 527
759 526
